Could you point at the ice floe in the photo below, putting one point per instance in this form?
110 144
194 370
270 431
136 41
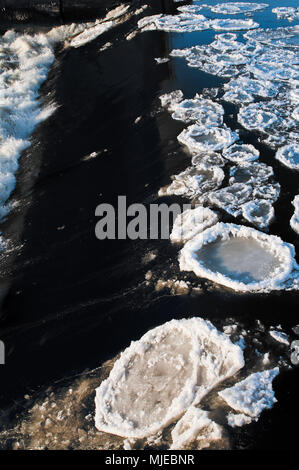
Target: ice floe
204 111
252 395
181 23
157 378
195 181
235 8
239 257
256 117
231 198
233 25
289 156
195 425
241 153
289 13
238 420
200 139
280 337
208 159
294 222
259 212
191 222
251 173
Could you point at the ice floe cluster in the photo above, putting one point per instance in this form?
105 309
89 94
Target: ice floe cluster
159 382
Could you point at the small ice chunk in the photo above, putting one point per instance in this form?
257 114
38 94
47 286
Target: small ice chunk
200 139
169 100
238 420
157 378
289 156
162 60
259 212
294 222
239 257
194 182
208 159
280 336
191 222
195 425
252 395
240 153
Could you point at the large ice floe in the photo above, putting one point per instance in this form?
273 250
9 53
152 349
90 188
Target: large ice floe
191 222
157 378
25 60
252 395
295 217
239 257
235 8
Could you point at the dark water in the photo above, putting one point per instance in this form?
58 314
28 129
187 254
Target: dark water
70 301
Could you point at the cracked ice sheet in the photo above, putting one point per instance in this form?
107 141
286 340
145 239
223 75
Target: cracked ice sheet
252 395
240 258
157 378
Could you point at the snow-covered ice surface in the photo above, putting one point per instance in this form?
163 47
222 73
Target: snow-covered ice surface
25 60
195 425
289 156
253 394
191 222
239 257
294 222
157 378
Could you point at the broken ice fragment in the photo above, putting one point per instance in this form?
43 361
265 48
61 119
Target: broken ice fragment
253 394
280 336
157 378
195 425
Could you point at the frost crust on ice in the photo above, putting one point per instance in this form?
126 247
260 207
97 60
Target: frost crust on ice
195 425
239 257
252 395
191 222
157 378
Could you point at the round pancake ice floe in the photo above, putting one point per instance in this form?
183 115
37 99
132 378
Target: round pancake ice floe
157 378
239 257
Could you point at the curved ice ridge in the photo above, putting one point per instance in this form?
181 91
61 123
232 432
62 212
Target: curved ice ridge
240 258
156 379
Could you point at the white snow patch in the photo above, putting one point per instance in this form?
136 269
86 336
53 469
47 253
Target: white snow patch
157 378
252 395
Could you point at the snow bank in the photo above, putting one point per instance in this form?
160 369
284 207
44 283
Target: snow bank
239 257
191 222
195 425
157 378
252 395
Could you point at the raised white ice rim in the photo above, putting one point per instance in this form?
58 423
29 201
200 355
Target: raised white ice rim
283 254
160 376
